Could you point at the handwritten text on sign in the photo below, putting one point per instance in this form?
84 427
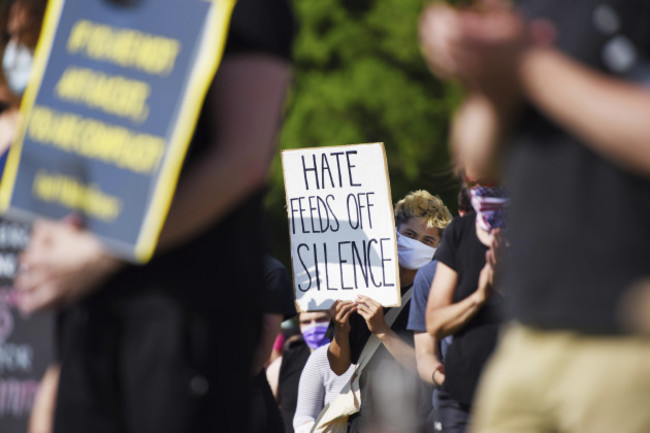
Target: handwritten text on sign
341 225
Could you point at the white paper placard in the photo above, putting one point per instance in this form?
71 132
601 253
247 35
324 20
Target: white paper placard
341 225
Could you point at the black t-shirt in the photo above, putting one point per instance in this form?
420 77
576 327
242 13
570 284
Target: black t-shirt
294 359
359 334
190 313
579 224
278 296
222 265
461 250
215 278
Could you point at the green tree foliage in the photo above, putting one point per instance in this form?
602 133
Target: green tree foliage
359 77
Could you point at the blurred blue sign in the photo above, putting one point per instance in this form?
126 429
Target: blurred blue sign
116 89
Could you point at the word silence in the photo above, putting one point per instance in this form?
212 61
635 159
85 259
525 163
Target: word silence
341 225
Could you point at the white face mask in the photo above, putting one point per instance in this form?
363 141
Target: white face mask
413 254
17 66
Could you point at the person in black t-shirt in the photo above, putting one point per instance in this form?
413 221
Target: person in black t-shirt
462 303
142 347
566 84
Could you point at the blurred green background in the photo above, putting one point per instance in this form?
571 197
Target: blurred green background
359 78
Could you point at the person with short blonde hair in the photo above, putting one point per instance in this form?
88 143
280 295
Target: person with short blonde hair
420 219
422 204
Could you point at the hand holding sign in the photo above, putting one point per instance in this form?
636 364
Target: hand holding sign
373 313
340 312
61 264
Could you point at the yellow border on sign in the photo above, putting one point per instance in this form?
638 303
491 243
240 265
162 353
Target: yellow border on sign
41 55
208 59
213 42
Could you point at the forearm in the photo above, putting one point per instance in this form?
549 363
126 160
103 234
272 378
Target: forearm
448 319
311 394
213 189
41 419
426 356
610 115
338 353
402 352
477 136
246 103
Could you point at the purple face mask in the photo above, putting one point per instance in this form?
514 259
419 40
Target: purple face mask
314 335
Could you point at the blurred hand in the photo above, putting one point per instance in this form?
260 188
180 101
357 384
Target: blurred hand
485 282
439 376
61 264
373 312
439 27
495 257
488 52
480 45
41 419
496 244
340 312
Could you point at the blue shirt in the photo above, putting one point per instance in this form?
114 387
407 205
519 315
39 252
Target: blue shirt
421 285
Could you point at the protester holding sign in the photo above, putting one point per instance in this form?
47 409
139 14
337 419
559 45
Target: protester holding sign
420 219
138 350
428 350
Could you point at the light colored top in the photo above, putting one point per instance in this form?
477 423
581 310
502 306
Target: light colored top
318 386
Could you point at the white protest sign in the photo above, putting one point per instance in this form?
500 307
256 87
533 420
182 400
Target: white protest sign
341 225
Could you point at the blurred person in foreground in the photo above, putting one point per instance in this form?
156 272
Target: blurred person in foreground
149 348
565 84
392 396
20 21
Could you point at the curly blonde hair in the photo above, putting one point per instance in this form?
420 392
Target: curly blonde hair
421 204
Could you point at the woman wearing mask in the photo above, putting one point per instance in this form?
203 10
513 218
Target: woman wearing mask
21 21
313 326
420 219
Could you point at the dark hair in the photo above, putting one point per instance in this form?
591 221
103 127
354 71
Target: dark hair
34 10
464 200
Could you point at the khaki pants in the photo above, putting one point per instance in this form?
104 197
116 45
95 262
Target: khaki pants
540 381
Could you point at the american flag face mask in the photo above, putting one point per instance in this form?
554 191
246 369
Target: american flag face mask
490 204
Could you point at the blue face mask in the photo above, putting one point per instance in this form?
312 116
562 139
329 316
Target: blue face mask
17 66
314 335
